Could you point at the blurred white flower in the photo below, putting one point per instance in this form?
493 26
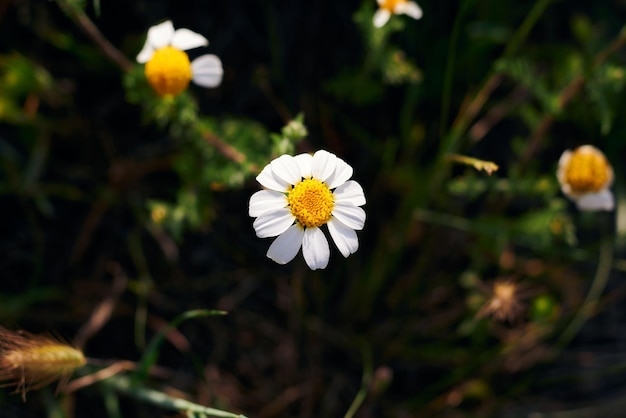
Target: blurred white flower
303 193
168 69
387 7
585 176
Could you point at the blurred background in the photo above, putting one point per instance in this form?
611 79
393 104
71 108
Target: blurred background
473 293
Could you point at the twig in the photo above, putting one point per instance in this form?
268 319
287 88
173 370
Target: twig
103 311
91 30
100 375
570 91
225 149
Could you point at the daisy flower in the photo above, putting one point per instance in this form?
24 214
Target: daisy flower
585 176
303 193
168 69
387 7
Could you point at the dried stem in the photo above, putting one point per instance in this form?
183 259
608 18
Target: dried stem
225 149
91 30
570 91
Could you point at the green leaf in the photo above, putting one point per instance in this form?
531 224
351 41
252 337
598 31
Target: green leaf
151 354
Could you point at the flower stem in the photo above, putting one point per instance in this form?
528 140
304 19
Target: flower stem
587 308
366 353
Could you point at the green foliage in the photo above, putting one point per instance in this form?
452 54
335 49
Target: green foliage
21 79
120 204
383 63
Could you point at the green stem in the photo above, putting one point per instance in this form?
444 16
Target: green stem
587 309
451 141
522 32
123 385
449 70
366 353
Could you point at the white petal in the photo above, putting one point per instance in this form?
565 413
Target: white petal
345 238
560 172
161 35
381 17
265 201
207 71
315 248
343 171
286 168
286 246
350 192
304 162
145 54
185 39
323 165
602 200
267 179
409 8
351 216
380 2
274 223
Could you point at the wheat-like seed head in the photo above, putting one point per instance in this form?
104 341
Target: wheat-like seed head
30 361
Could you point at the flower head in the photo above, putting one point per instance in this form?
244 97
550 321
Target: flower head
304 193
167 65
388 7
31 361
504 302
585 176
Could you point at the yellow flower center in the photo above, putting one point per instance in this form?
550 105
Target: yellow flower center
168 71
311 202
587 172
390 4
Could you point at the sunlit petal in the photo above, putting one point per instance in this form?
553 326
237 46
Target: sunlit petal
343 171
304 162
265 201
286 246
323 165
351 216
268 180
345 238
161 35
409 8
315 248
271 224
563 162
286 168
207 71
602 200
381 17
145 54
185 39
350 192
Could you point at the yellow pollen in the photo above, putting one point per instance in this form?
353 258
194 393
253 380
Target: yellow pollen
168 71
587 172
158 214
311 202
390 4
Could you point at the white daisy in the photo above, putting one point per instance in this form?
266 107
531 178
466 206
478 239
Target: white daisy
303 193
168 69
585 176
387 7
